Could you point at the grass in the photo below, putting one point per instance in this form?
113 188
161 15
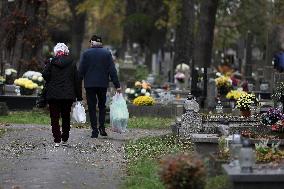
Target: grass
143 166
143 160
42 118
149 123
26 117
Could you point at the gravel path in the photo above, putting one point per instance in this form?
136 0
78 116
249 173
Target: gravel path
29 160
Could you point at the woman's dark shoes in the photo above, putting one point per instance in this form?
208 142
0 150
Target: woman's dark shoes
102 132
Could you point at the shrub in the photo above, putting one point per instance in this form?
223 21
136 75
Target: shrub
183 171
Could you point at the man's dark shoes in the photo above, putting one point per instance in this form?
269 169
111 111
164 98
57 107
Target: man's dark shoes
95 134
102 132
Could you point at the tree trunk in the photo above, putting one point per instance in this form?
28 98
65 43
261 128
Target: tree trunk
3 13
185 33
205 37
78 23
129 9
248 64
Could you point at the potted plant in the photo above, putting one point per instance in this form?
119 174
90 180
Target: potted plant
272 116
144 101
220 157
180 80
140 89
234 95
224 85
36 77
27 87
2 83
11 75
244 103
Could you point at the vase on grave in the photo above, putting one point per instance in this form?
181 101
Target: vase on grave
2 89
282 102
246 113
223 90
232 103
26 92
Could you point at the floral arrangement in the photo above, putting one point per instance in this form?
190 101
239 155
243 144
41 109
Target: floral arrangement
223 149
25 83
144 101
36 77
245 101
141 89
180 77
183 171
10 71
182 67
235 94
224 84
223 81
272 116
266 154
279 92
10 75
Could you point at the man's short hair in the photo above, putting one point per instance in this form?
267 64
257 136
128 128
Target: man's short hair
96 38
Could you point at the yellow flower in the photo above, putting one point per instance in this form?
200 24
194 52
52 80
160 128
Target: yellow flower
223 81
26 83
235 94
144 101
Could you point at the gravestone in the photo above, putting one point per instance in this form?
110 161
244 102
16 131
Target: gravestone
3 109
211 93
10 90
191 121
263 178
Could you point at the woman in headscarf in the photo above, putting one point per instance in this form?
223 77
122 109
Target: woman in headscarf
63 87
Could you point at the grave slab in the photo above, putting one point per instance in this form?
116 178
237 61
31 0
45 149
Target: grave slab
259 179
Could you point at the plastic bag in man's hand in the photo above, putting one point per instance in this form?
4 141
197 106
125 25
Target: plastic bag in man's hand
78 113
119 114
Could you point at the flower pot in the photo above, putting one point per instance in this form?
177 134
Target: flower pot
232 104
10 79
223 90
2 89
246 113
27 92
282 101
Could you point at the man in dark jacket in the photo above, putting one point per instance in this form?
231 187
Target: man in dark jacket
97 68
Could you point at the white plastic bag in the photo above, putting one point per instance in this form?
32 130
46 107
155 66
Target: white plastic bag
119 114
78 113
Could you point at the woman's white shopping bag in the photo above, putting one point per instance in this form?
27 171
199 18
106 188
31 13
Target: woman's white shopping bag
78 113
119 114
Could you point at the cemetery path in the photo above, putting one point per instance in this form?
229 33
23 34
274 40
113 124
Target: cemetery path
28 158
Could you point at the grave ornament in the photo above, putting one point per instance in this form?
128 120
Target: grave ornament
191 120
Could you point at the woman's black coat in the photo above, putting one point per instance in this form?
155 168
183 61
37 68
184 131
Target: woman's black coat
62 79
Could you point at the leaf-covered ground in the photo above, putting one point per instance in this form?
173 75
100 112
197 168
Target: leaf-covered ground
28 158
